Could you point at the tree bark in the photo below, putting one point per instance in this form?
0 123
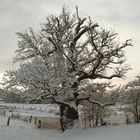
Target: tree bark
62 108
72 113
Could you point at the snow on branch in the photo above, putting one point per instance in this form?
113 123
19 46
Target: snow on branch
97 102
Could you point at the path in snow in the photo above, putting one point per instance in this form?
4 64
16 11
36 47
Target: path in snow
19 130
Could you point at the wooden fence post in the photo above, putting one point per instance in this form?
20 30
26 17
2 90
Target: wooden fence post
35 120
39 123
8 121
4 112
30 120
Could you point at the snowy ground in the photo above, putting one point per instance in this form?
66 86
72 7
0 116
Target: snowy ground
19 130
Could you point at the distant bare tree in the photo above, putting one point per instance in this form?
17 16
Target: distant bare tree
131 96
100 92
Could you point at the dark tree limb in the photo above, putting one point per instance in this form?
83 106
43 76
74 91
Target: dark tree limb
96 102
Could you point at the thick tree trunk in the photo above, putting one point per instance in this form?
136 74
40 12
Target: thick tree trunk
69 113
72 113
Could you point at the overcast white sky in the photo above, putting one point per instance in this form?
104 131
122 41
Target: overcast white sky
123 16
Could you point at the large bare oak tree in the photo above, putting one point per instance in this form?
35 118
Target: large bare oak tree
71 49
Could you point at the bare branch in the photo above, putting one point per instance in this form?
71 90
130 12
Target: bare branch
96 102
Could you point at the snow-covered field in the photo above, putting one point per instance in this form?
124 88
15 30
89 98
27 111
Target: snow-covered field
19 130
49 114
38 110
